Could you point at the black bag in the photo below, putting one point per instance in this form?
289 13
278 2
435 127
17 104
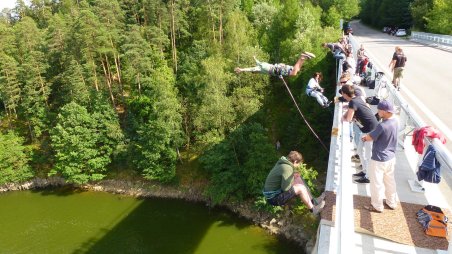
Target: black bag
372 100
370 83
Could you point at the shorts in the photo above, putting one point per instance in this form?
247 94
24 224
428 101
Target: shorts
398 72
280 70
282 198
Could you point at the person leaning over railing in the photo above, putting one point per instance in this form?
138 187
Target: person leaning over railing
362 116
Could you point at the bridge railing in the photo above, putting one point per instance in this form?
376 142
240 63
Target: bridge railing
339 169
438 38
339 164
409 120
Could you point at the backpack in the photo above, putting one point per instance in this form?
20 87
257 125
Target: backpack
429 170
372 100
370 83
433 221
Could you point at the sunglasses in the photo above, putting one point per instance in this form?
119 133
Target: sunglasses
343 81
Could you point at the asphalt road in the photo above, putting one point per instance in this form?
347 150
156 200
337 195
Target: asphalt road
427 82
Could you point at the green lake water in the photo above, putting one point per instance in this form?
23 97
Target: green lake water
67 221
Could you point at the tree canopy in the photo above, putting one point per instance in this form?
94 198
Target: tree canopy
94 86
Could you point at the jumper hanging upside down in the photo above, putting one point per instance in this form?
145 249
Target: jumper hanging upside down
278 69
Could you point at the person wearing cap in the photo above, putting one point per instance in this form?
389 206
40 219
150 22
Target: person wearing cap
382 163
279 69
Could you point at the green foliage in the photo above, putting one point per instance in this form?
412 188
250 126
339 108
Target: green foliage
439 19
84 142
14 159
239 164
387 13
332 17
261 205
164 70
419 10
156 127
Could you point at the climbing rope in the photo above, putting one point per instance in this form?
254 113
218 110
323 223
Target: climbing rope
304 119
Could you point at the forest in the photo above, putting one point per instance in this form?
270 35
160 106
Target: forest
95 89
431 16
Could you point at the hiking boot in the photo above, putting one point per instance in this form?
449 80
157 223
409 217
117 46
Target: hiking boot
319 199
362 180
360 174
307 55
355 158
318 208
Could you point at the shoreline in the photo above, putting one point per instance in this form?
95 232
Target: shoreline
282 226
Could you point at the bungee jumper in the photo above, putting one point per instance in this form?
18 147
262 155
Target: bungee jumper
279 69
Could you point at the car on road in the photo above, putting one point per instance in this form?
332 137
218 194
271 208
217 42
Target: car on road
347 29
401 32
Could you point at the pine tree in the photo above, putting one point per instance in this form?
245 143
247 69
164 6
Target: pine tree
35 88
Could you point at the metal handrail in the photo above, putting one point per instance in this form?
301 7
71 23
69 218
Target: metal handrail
344 195
440 38
410 117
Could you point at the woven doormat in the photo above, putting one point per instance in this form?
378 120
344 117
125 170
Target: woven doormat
398 225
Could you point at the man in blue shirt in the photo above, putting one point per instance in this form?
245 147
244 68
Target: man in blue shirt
382 163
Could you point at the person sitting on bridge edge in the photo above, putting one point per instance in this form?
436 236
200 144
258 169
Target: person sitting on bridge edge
397 66
314 89
278 69
284 183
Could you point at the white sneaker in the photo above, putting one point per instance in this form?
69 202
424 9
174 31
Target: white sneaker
318 208
307 55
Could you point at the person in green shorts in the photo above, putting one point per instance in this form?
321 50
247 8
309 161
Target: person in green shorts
284 183
397 65
278 69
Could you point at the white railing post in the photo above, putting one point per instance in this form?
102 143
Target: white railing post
344 222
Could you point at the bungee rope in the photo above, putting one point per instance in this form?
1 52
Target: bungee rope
304 119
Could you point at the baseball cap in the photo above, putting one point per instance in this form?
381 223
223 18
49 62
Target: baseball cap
386 106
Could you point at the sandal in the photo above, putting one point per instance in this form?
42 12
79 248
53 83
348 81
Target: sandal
372 209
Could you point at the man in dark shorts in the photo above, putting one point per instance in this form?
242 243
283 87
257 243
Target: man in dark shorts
283 184
397 65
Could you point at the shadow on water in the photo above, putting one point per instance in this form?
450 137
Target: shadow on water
62 191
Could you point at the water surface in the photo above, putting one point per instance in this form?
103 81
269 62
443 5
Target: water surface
68 221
